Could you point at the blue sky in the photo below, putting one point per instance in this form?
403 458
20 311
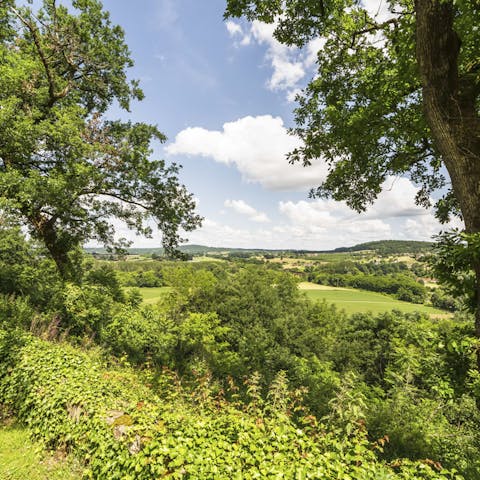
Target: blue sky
223 94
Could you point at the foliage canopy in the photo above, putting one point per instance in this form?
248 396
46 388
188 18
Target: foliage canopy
66 170
365 112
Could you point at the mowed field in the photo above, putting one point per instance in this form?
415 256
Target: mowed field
153 294
360 301
348 299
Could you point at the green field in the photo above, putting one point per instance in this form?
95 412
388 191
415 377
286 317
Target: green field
153 294
338 257
348 299
360 301
22 459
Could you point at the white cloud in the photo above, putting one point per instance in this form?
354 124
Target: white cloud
329 224
287 69
397 199
289 64
333 224
312 51
378 10
320 224
286 74
243 208
418 228
233 28
236 31
292 94
427 226
216 234
257 147
292 234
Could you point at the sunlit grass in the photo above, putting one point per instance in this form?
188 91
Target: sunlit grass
348 299
22 459
153 294
360 301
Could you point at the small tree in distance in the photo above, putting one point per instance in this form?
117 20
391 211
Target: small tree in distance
65 170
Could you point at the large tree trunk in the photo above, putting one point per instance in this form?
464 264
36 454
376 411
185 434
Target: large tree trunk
58 253
45 231
450 105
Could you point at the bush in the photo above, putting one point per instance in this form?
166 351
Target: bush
403 286
26 271
86 309
123 430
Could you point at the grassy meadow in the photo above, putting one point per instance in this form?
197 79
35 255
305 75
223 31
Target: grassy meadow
360 301
22 459
348 299
152 295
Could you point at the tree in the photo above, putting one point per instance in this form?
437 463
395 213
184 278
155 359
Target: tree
66 170
24 267
395 94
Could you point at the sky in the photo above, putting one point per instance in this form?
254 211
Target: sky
223 92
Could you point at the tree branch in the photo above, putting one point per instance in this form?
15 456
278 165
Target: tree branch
113 195
36 39
374 28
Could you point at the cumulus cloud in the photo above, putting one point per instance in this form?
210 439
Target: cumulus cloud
292 94
291 234
312 50
329 224
243 208
287 68
332 223
257 147
216 234
319 224
289 64
233 28
397 199
323 224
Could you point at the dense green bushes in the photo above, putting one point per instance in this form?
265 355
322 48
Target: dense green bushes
124 430
219 326
403 287
441 299
414 372
25 271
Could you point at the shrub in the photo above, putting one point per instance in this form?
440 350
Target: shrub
123 430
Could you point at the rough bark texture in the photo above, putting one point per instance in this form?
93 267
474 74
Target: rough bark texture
45 230
450 108
58 253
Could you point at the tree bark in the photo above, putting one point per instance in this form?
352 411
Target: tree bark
45 230
450 106
58 253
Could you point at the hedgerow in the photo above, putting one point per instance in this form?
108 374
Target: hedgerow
123 428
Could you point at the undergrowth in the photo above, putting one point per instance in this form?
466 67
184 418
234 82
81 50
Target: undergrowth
123 427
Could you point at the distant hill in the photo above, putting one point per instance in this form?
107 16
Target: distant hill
389 247
191 249
382 247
